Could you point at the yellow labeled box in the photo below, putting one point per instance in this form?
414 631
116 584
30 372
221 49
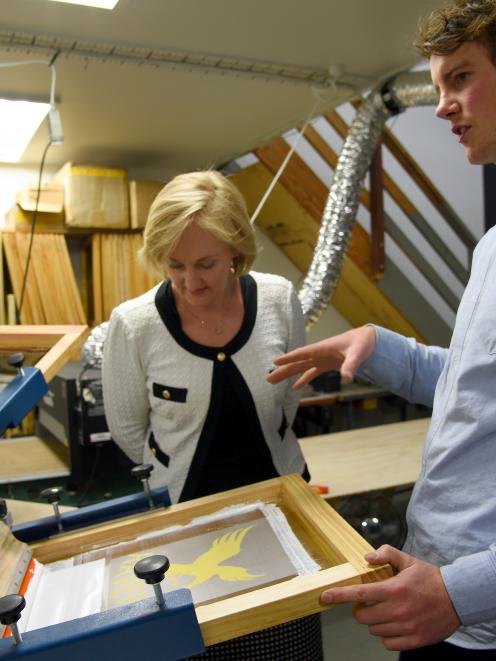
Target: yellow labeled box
95 196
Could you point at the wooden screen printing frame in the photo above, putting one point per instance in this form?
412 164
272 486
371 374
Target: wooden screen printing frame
59 343
333 543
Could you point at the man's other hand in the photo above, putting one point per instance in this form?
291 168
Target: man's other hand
409 610
344 352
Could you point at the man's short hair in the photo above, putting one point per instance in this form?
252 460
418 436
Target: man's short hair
447 28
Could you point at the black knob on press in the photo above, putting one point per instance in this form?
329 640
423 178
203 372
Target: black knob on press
152 570
11 607
142 472
52 496
16 360
5 515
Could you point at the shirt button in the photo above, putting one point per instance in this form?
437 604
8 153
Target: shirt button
221 356
165 394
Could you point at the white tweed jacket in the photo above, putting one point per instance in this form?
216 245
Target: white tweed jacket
156 381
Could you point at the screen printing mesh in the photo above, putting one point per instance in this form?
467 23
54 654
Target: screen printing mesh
234 550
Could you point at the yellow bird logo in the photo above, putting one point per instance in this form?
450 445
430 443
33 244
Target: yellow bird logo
207 565
126 588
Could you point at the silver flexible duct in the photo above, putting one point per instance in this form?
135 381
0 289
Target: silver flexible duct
404 91
92 351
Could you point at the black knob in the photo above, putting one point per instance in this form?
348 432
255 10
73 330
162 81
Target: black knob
142 472
10 608
52 494
152 569
16 360
5 515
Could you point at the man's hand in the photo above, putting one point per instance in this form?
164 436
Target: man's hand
410 610
344 352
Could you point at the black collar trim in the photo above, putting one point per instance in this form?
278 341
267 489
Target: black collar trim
166 307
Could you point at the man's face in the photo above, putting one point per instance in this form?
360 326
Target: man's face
466 83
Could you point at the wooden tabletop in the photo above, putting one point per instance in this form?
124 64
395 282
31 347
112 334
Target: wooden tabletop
24 510
32 458
349 392
366 459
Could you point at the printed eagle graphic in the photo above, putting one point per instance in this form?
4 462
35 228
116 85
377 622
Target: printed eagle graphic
208 564
126 588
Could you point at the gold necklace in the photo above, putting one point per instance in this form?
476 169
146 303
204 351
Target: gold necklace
218 329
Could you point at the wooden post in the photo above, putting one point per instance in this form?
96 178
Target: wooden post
11 310
377 214
2 284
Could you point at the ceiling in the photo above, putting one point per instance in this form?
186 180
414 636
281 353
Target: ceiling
133 89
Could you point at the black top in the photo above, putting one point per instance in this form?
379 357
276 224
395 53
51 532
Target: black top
231 451
238 453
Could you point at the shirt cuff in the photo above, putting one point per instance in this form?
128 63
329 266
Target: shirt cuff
471 585
388 346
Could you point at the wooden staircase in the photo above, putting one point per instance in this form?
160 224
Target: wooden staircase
291 218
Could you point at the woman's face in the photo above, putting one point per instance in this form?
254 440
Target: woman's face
200 267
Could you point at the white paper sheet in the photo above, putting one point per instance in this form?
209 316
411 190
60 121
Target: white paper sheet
65 594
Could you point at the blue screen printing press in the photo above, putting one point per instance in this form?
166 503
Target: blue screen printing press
168 627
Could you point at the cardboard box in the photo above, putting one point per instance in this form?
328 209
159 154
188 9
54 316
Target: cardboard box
141 196
94 196
51 197
50 208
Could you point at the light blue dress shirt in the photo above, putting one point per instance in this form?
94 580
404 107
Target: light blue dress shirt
452 512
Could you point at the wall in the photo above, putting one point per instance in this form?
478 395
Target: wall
271 260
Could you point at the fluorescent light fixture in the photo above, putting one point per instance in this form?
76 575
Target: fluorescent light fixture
19 121
101 4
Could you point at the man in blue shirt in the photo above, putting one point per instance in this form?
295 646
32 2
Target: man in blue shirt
441 603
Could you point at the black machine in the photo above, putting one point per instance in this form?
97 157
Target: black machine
72 412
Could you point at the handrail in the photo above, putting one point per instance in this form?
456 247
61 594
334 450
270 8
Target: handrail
412 213
377 219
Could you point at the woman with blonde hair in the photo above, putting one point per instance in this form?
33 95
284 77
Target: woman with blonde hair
185 364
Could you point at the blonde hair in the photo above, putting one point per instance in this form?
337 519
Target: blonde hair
213 202
447 28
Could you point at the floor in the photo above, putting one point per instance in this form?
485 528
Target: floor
346 640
